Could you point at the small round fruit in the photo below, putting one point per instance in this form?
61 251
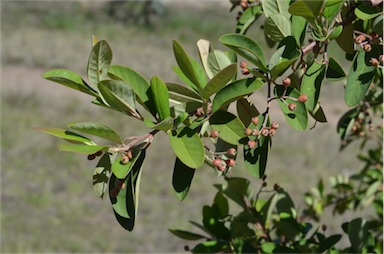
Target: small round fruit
248 131
274 125
99 153
230 162
129 154
221 168
243 64
255 120
124 160
276 187
217 162
292 106
231 151
272 132
359 39
264 177
367 47
324 227
199 112
265 132
214 134
245 71
91 156
287 82
255 132
302 98
374 62
264 184
251 144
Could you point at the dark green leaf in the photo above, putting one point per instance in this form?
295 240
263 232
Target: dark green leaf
186 235
235 91
358 234
83 149
346 40
318 114
246 110
334 71
97 129
328 243
247 18
359 78
245 47
164 125
181 93
212 222
219 80
311 84
99 62
277 27
306 8
211 247
182 179
287 53
221 203
121 170
159 97
230 128
188 147
69 79
237 189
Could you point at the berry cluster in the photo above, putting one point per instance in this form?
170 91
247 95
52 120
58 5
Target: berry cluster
302 98
94 155
244 68
127 156
223 162
366 41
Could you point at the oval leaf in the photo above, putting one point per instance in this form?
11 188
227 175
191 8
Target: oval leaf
219 80
217 61
117 95
311 84
101 175
99 62
230 128
97 129
188 147
277 27
334 71
83 149
158 94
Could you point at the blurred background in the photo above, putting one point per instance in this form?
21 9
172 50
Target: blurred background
47 201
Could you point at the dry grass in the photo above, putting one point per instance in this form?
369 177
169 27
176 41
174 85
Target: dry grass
47 199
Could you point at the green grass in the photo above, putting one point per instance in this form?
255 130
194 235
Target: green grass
47 200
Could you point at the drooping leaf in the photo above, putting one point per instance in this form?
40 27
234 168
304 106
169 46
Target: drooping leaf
345 39
247 18
70 79
65 134
186 235
318 114
297 119
217 61
97 129
182 179
101 175
359 78
99 62
230 128
277 27
245 47
235 91
159 97
219 81
133 79
117 95
334 71
311 84
246 110
187 146
83 149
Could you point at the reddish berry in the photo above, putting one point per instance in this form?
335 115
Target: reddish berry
221 168
359 39
245 71
91 156
367 47
129 155
230 162
302 98
244 5
251 144
124 160
292 106
374 62
265 132
231 152
276 187
287 82
255 132
199 112
255 120
248 131
243 64
274 125
123 186
272 132
217 162
214 134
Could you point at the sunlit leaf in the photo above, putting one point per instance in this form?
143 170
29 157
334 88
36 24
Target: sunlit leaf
311 84
306 8
217 61
83 149
158 94
230 128
219 80
101 175
99 62
271 7
65 134
117 95
277 27
96 129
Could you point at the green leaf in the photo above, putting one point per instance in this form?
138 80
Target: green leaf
212 222
182 179
211 247
230 128
332 8
102 174
247 18
268 247
297 119
133 79
184 78
271 7
277 27
186 235
217 61
346 40
188 147
237 189
205 47
318 114
334 71
187 66
359 78
164 125
181 93
246 110
65 134
286 54
97 129
235 91
328 243
158 94
99 62
306 8
311 84
245 47
299 27
219 80
122 170
83 149
118 197
117 95
221 203
366 12
358 234
70 79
